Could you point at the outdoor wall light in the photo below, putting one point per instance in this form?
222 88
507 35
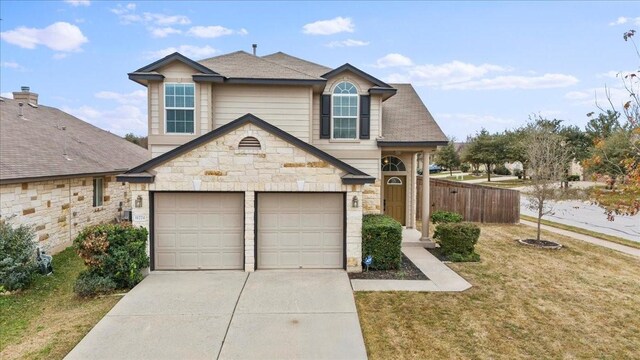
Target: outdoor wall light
139 201
354 202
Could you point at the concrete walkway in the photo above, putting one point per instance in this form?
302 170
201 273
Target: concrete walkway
230 315
441 277
590 239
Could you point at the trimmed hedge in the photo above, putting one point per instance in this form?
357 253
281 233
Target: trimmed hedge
457 240
442 217
115 255
18 266
382 239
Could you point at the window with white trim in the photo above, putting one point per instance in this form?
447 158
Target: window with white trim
179 103
394 181
345 111
98 191
392 163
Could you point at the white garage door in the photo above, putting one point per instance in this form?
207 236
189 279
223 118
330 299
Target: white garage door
198 231
297 230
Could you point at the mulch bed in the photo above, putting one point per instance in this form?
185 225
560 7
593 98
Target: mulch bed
544 244
437 253
407 271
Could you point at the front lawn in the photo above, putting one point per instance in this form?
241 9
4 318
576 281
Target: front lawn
48 320
508 184
580 302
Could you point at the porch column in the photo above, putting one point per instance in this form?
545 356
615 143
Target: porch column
426 204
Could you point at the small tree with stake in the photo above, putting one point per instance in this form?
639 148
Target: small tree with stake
547 155
448 157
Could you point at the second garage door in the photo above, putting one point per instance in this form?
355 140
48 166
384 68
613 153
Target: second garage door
198 231
300 230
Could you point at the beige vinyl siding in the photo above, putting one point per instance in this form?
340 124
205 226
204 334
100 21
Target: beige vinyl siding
286 107
204 104
157 150
369 166
154 108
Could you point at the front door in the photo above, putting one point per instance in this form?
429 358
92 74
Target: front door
395 197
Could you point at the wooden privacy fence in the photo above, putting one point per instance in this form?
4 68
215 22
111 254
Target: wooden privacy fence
474 202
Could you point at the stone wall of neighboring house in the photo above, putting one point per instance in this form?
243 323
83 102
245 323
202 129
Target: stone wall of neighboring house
58 209
278 166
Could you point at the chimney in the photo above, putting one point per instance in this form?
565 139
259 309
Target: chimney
255 47
26 96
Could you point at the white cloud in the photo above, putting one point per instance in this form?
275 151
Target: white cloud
546 81
119 120
127 15
393 60
475 119
78 2
464 76
137 97
190 51
329 27
599 96
347 43
209 32
243 32
578 95
10 65
624 20
60 36
164 31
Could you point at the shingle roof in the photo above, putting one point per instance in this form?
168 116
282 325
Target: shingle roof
405 118
298 64
243 65
34 145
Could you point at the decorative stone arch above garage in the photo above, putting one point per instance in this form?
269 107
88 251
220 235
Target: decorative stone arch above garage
213 163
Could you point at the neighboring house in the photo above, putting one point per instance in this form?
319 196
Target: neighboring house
270 162
57 172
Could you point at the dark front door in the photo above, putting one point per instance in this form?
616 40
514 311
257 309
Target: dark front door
395 197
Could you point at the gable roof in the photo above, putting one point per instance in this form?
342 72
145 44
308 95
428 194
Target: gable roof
139 173
407 121
176 56
348 67
242 65
33 146
298 64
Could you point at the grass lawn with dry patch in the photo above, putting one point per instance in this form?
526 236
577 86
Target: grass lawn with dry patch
47 320
579 302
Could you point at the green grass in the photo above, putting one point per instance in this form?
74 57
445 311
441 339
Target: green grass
507 184
464 178
615 239
47 320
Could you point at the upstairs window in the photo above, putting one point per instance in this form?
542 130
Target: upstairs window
345 111
179 102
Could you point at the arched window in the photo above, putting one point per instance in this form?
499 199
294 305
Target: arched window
249 143
394 181
345 111
392 163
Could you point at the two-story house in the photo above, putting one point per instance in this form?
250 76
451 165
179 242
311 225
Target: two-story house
270 162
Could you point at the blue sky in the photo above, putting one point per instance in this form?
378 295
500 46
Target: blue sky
475 64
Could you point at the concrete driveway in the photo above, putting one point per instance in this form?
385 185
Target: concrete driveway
300 314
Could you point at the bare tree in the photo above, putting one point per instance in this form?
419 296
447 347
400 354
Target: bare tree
547 154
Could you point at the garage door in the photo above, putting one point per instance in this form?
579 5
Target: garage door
300 231
198 231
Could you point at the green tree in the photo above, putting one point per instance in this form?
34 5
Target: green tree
138 140
487 149
602 126
448 157
516 149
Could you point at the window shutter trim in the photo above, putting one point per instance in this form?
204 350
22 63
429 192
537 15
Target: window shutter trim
325 117
365 117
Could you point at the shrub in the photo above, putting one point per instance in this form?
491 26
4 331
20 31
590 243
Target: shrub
501 170
441 217
90 284
518 173
18 265
573 178
117 252
457 240
465 167
382 239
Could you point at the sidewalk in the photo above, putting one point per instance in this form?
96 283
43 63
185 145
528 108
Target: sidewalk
590 239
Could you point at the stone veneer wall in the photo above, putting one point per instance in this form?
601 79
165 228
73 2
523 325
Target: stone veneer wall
58 209
277 166
371 198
